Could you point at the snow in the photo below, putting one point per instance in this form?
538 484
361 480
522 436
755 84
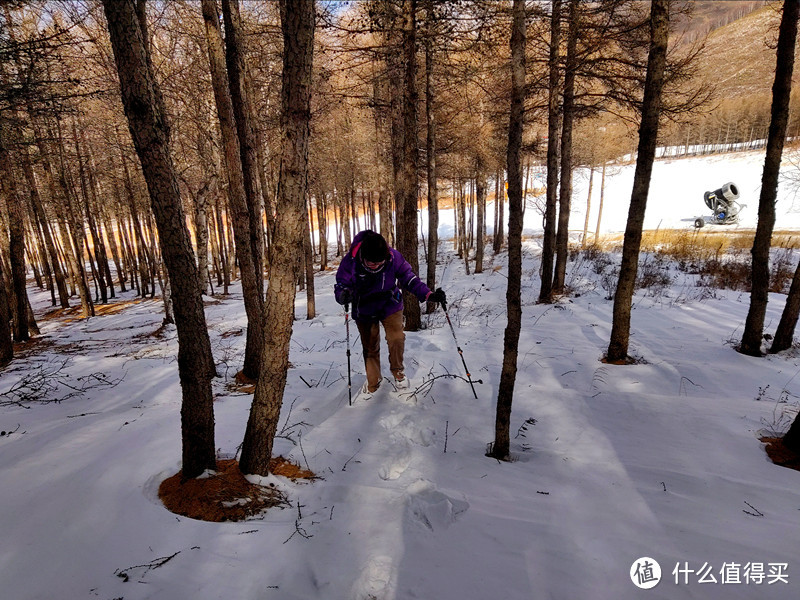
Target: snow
675 199
613 463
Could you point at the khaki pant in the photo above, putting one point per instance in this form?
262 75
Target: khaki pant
371 342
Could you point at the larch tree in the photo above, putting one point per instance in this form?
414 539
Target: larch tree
501 446
239 80
648 135
781 90
237 195
150 132
430 149
6 343
9 189
297 23
567 124
406 183
553 143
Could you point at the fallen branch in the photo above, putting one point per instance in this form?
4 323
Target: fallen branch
154 564
51 384
426 386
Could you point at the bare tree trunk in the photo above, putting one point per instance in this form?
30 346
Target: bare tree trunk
600 207
405 150
16 229
588 208
496 215
480 200
94 212
237 194
565 192
100 272
501 223
648 135
6 344
505 394
785 332
245 126
38 209
781 90
549 241
116 255
322 219
297 22
433 194
308 247
150 132
344 217
143 258
223 250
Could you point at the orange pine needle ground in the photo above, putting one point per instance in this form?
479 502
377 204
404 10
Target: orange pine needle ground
226 495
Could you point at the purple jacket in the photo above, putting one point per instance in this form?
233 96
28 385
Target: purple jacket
377 295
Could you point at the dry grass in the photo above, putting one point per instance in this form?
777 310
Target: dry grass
700 244
720 258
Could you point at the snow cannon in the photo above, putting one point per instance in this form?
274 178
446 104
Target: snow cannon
722 203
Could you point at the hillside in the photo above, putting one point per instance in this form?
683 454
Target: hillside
739 58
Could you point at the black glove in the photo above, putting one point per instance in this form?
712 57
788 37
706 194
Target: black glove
438 296
346 296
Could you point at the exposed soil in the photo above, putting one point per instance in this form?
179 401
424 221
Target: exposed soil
226 495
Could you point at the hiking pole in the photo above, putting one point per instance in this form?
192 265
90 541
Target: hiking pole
347 327
460 351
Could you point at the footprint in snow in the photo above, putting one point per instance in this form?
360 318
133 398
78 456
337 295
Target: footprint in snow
431 508
395 465
376 578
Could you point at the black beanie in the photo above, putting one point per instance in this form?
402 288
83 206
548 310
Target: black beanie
374 247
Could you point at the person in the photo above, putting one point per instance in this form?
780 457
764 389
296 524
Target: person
370 278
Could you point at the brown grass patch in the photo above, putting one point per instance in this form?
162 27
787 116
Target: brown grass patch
780 454
700 243
226 495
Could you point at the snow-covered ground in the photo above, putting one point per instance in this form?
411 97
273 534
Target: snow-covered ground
614 463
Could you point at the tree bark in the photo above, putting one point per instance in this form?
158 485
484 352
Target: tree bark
781 90
549 241
150 132
430 146
235 50
588 208
600 206
565 190
99 252
6 343
785 332
648 135
237 194
16 230
38 209
308 251
406 184
297 23
508 375
480 200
